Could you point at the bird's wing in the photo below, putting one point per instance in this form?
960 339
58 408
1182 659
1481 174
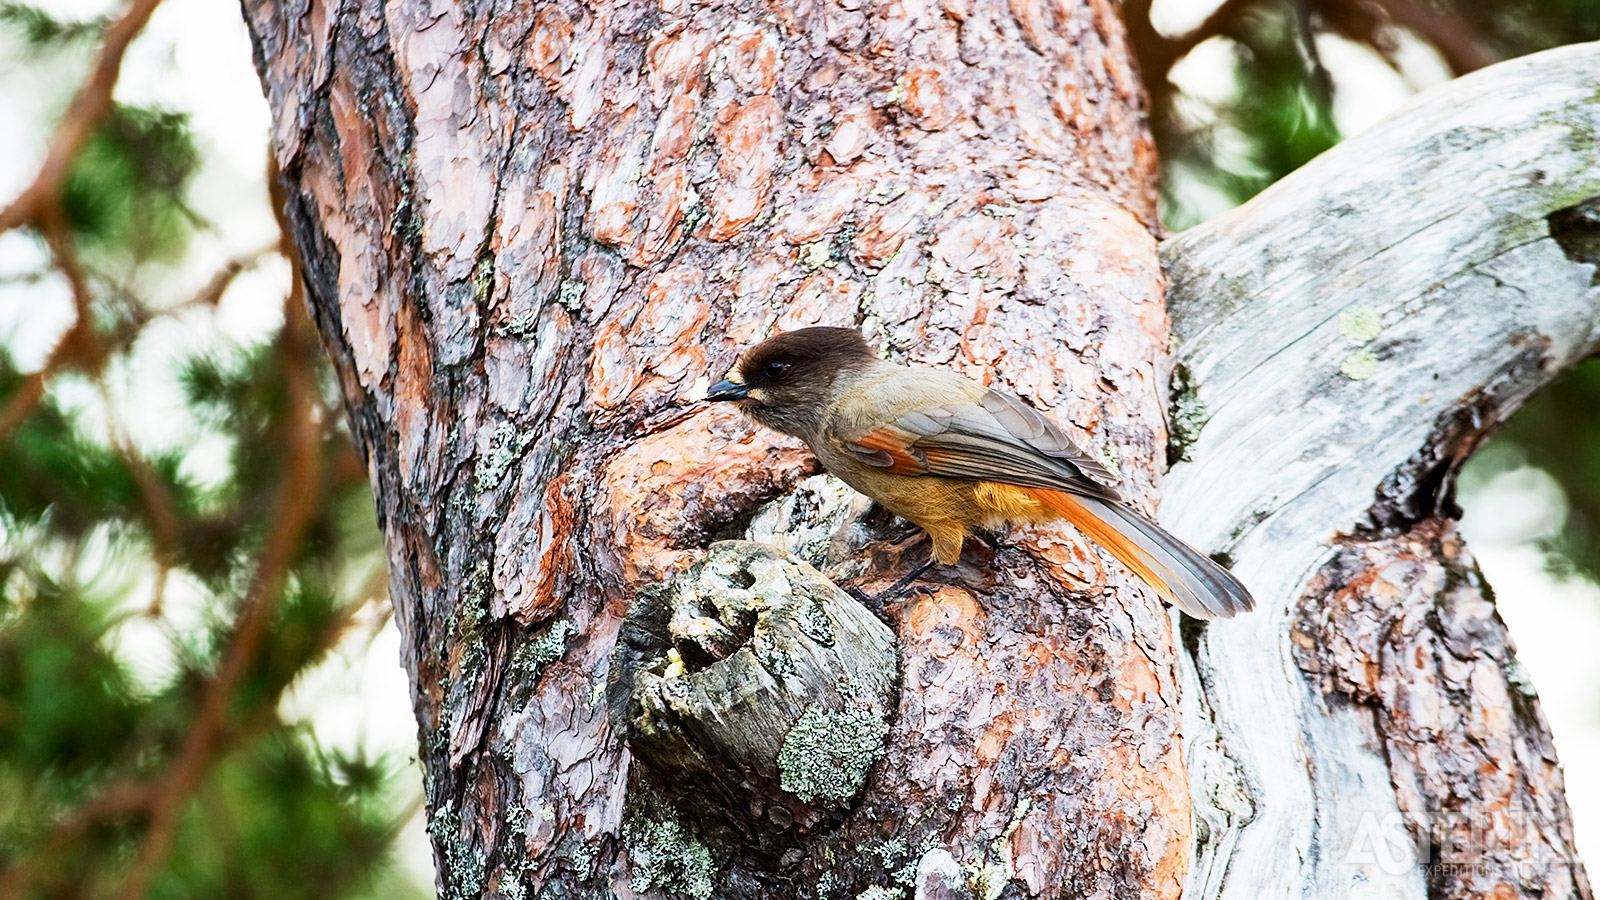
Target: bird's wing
995 437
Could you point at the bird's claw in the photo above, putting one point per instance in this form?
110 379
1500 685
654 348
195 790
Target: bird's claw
907 584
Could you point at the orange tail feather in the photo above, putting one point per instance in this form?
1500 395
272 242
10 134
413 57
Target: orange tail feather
1103 533
1175 570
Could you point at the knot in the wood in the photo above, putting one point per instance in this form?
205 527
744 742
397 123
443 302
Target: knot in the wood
753 691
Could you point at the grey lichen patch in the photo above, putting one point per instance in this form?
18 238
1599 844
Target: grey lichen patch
891 851
881 893
1360 324
467 625
1518 678
773 652
1111 458
483 278
816 624
544 649
827 755
817 254
906 874
1017 815
514 857
988 881
505 448
897 91
885 190
1187 416
666 855
1360 365
989 878
522 326
898 858
466 867
571 295
751 676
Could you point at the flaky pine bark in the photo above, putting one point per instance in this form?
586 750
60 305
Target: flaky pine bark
532 232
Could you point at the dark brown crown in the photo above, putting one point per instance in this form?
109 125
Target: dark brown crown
804 355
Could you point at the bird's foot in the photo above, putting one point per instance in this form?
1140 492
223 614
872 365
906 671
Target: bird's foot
893 591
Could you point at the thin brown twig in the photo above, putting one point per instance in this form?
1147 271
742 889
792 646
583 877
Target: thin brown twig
1158 54
1453 36
119 801
160 801
160 506
25 400
88 108
135 798
211 294
292 511
79 346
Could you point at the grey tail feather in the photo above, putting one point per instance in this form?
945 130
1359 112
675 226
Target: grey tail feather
1203 589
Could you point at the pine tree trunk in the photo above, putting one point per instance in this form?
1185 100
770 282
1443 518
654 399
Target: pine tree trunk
533 233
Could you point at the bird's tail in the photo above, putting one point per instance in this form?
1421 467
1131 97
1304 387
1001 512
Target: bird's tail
1177 571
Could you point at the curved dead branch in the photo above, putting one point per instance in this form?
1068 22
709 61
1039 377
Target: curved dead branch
1344 341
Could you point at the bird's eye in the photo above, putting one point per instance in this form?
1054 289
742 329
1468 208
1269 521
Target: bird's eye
776 368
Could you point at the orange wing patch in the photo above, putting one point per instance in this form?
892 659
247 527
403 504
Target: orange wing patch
887 450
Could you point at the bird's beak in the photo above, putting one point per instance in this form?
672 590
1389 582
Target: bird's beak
727 390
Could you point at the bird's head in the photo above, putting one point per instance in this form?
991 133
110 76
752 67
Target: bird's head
787 381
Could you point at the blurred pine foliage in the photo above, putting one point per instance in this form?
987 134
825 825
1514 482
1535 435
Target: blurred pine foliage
172 774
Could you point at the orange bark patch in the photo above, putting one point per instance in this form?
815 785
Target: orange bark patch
946 608
656 354
752 60
676 65
748 144
925 99
549 43
532 566
413 393
662 495
884 230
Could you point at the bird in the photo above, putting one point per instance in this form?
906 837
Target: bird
951 455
